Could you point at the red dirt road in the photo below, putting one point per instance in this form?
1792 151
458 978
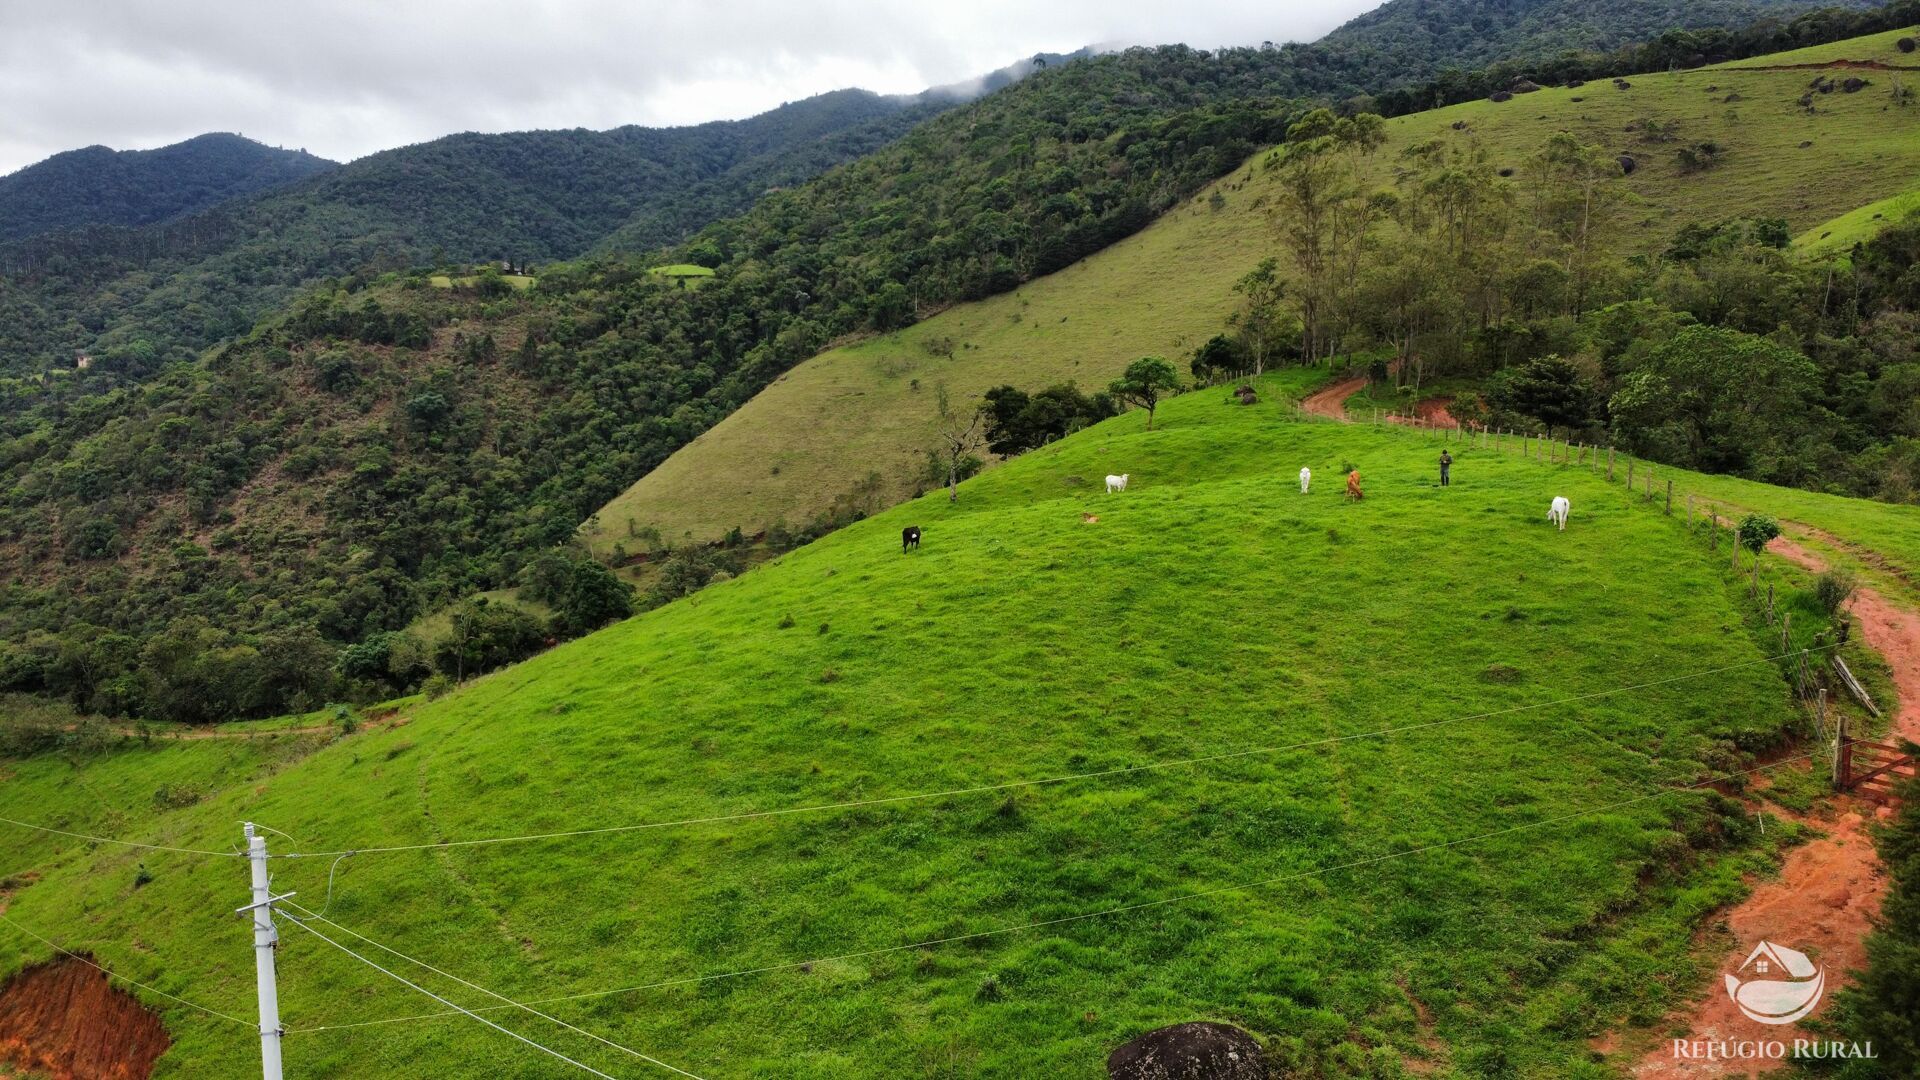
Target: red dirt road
1829 889
1332 403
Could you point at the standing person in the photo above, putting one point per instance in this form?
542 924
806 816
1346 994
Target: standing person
1446 464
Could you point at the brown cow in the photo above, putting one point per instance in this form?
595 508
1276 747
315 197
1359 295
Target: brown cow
1353 486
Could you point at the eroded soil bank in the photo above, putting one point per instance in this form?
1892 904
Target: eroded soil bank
68 1021
1829 889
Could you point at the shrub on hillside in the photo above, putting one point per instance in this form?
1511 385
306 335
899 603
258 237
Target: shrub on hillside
1832 590
1018 421
486 636
1756 530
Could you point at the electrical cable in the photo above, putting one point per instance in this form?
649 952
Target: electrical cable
502 997
422 990
248 1024
122 843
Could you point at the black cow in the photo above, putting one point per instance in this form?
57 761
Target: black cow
909 538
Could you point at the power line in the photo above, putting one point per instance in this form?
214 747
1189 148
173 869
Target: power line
122 843
1010 785
422 990
1244 886
111 975
474 986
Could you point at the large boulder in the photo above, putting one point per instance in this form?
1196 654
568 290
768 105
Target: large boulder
1906 45
1500 95
1196 1051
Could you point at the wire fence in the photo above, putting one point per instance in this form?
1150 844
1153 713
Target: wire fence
1645 480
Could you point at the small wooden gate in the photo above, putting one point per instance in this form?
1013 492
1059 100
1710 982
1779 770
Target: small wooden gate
1872 769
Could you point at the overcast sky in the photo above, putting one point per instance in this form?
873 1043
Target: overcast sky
345 78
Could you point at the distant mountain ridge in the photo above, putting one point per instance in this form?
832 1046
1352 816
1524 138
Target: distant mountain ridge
1417 39
101 186
188 280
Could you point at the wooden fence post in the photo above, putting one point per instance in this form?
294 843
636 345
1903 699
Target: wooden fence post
1609 464
1669 497
1629 476
1783 629
1842 763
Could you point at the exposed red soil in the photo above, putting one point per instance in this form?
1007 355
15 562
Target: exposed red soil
1829 889
1823 904
1332 402
1434 411
68 1021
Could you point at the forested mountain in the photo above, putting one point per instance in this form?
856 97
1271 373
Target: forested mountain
1417 39
99 186
141 296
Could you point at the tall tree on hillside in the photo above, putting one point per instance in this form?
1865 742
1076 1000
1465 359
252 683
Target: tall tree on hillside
960 434
1261 321
1576 197
1321 215
1145 381
1437 282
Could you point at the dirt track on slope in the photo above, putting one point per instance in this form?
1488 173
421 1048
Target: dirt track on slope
1829 889
1332 402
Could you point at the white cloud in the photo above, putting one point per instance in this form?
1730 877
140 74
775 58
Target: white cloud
346 78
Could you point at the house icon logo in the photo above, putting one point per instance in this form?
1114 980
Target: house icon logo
1777 985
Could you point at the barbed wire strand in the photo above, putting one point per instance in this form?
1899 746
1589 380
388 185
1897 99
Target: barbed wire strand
508 1002
1245 886
415 987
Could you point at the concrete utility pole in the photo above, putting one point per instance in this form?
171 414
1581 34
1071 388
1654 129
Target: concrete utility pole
265 940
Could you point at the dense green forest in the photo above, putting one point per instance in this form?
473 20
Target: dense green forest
1691 43
144 296
98 186
1422 37
225 526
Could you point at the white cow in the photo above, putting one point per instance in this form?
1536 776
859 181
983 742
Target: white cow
1117 483
1557 513
1306 479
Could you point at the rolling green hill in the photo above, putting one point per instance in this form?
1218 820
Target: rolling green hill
1210 610
1838 235
863 408
98 186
